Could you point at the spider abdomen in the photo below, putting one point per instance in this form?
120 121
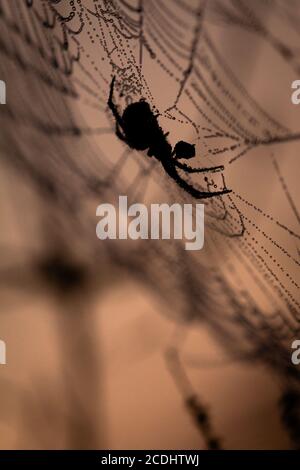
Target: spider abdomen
140 125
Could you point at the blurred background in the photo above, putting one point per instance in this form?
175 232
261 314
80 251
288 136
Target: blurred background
142 344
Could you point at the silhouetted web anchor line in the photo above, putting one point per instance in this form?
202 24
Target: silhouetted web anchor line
188 71
251 144
286 190
141 35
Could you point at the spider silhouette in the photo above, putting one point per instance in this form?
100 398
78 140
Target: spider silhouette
138 127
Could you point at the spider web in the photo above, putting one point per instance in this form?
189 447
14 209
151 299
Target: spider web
58 58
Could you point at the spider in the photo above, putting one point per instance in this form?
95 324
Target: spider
138 127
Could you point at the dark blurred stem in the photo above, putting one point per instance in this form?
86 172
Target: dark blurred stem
81 369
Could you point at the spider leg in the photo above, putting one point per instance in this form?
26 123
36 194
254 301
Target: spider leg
119 132
189 169
171 170
112 105
111 92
